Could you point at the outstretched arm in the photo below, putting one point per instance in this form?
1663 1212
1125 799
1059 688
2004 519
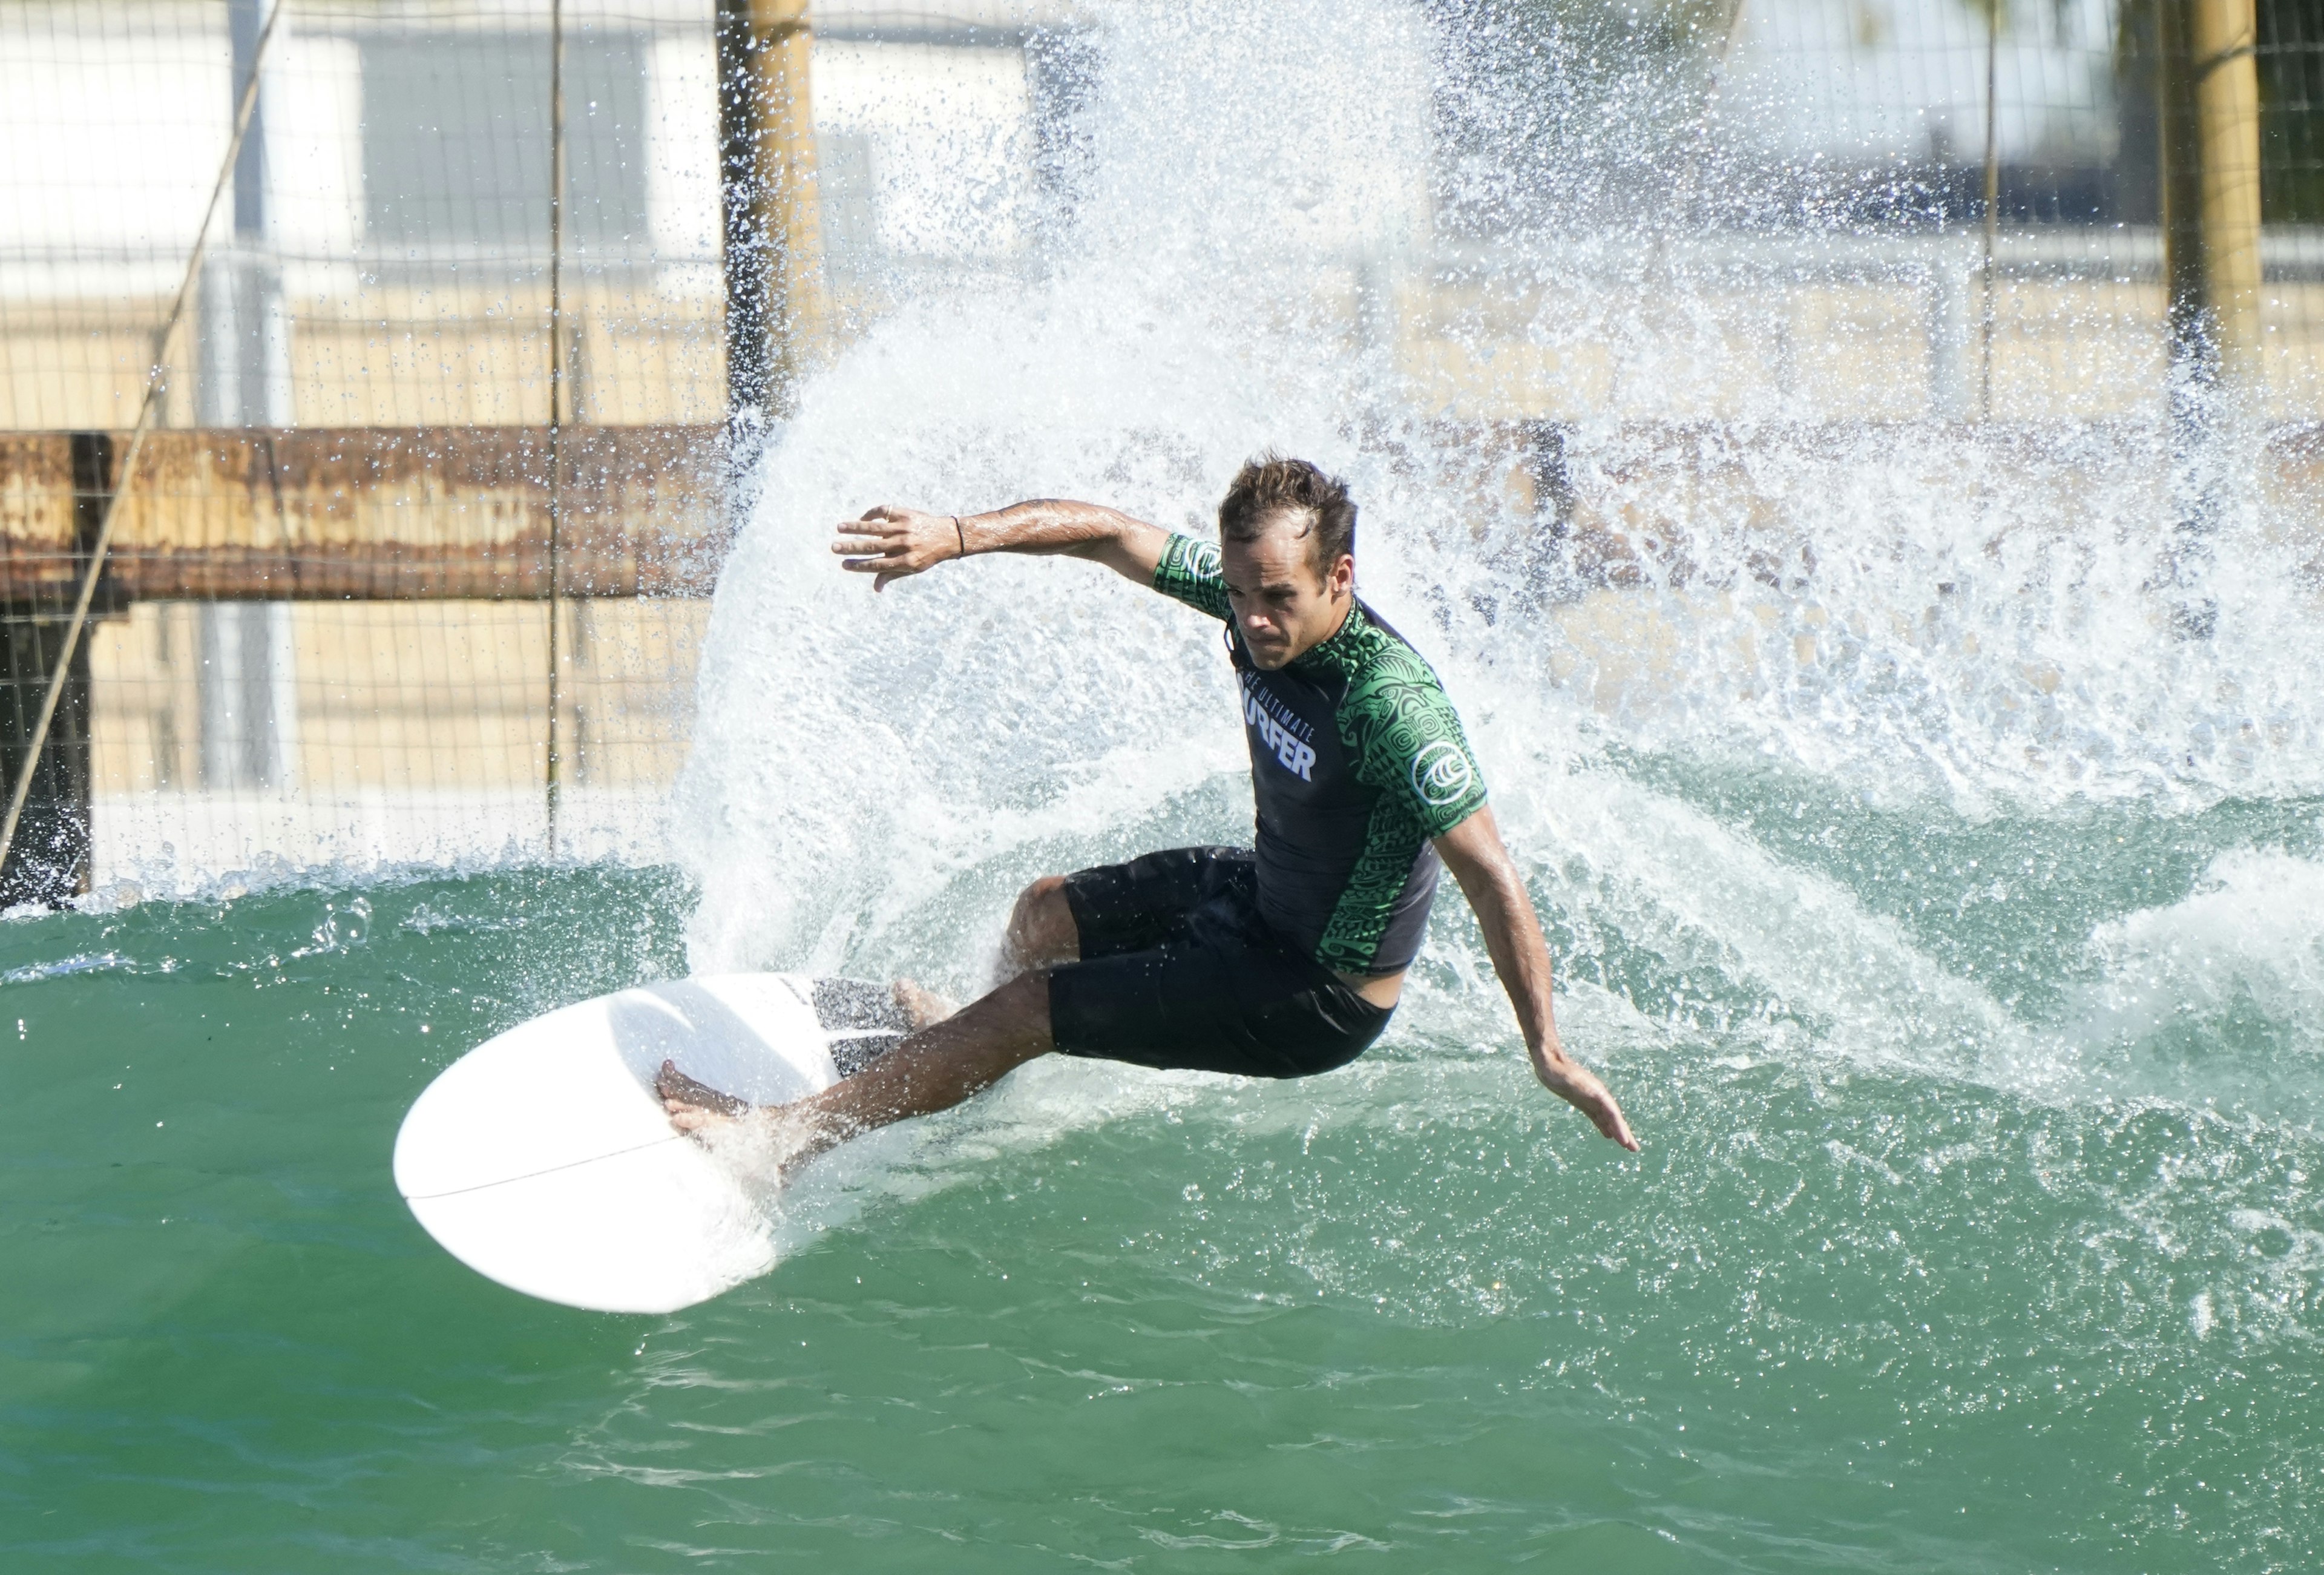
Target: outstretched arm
891 543
1489 878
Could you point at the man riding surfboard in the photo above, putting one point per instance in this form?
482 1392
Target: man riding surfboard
1282 960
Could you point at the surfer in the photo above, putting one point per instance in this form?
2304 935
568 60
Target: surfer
1281 959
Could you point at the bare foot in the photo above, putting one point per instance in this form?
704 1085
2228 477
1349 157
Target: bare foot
768 1147
693 1106
923 1007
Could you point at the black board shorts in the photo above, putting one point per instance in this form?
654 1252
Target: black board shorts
1178 970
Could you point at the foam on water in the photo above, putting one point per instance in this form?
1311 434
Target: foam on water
1994 642
2248 934
2221 995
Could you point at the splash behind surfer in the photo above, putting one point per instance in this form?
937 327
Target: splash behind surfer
1282 960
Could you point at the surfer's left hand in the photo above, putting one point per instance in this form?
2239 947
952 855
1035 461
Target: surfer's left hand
1578 1086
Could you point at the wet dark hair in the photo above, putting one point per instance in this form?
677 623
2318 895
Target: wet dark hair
1271 486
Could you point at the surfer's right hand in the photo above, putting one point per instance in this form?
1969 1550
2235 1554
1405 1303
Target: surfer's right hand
891 542
1578 1086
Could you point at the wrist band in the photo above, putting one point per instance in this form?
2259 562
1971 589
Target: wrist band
956 530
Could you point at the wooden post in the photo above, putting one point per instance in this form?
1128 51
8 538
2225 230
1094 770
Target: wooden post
775 295
2207 93
2208 99
2227 112
48 859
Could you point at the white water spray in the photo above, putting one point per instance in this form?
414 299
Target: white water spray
1901 614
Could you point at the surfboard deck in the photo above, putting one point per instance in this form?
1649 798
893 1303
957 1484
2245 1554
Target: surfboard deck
544 1160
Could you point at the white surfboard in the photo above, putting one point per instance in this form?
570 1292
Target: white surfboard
544 1160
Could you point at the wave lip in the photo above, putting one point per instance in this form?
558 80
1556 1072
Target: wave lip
2219 996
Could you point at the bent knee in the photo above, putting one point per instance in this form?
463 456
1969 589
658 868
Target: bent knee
1049 888
1042 909
1042 928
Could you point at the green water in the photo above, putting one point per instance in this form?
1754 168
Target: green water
1845 1312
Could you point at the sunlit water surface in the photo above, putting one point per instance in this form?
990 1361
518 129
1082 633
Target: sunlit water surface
1843 1313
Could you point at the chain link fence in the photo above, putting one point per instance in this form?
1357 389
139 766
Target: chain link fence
336 627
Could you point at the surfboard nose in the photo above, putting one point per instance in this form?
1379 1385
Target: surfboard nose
544 1158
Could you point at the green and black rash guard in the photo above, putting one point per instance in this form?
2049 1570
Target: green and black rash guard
1357 761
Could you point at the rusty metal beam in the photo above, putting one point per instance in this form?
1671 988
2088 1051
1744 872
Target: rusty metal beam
462 513
369 513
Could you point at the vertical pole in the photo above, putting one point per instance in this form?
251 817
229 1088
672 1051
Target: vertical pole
2181 198
1992 207
236 386
48 856
2207 93
2227 115
775 305
247 689
48 859
554 785
259 383
2209 96
1689 177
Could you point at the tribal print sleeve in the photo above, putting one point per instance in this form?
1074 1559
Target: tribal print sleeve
1407 745
1408 742
1189 573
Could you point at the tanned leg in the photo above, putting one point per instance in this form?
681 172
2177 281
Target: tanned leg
934 1070
1041 929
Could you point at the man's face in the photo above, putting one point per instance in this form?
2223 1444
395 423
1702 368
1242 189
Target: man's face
1283 605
